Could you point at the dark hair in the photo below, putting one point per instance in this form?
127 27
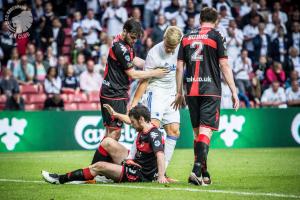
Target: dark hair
140 111
132 26
49 69
208 15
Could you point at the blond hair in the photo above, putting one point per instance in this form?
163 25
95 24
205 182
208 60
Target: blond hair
173 35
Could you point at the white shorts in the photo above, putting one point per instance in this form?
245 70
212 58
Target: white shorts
159 104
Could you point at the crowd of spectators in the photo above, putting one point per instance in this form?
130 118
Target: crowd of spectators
65 54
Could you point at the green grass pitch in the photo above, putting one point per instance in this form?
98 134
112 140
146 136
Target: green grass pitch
236 174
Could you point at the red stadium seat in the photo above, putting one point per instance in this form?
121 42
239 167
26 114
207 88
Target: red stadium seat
29 89
26 98
70 106
31 107
2 106
80 97
66 50
3 99
94 97
87 106
37 98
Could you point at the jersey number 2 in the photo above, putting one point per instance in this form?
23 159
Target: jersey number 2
198 50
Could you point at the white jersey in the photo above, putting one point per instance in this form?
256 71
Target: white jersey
158 58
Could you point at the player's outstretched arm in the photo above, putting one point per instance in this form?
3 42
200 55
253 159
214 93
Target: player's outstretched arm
143 84
134 74
227 73
179 75
138 62
160 156
122 117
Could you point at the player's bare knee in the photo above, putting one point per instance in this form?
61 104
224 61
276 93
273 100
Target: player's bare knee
97 167
106 142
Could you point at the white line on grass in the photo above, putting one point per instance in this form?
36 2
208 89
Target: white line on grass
175 189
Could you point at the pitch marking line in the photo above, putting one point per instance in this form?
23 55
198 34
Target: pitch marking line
172 189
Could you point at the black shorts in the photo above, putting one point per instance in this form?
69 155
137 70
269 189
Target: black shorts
119 106
131 174
204 111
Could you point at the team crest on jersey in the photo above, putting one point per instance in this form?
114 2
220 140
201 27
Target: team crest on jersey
157 143
123 48
153 135
127 58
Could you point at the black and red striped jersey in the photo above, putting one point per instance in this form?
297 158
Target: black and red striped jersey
201 51
116 82
147 145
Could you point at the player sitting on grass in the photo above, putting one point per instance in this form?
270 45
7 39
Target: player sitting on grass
147 165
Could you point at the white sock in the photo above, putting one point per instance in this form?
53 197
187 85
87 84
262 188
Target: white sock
169 148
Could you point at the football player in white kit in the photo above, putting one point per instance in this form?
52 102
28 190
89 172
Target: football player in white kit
159 93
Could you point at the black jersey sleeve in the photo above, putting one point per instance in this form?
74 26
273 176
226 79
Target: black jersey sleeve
221 44
156 141
180 55
123 55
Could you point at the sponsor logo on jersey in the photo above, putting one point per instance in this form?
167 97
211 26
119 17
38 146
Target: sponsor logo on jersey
107 83
199 79
12 133
123 48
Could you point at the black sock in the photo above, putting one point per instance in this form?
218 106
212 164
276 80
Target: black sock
76 175
101 155
201 150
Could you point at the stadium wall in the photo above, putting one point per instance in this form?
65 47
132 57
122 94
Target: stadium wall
75 130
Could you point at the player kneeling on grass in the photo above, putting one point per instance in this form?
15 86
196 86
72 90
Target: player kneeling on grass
147 165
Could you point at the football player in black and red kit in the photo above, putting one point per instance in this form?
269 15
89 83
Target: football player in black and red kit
147 164
203 52
118 74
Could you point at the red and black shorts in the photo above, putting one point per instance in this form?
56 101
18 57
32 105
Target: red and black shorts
119 106
204 111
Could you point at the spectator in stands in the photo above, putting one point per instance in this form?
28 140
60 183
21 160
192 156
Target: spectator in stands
293 62
262 43
159 29
70 83
80 65
7 43
76 23
46 20
136 14
255 93
263 10
14 60
145 48
106 44
224 18
250 31
50 58
100 67
245 7
261 68
274 25
79 45
89 79
234 41
30 52
91 27
223 3
8 83
40 67
242 68
52 82
114 17
151 8
24 72
192 12
294 76
279 46
246 19
190 25
293 94
274 96
61 66
176 11
15 101
294 36
275 73
277 9
54 102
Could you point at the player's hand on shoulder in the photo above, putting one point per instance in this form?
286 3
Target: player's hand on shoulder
162 179
111 111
